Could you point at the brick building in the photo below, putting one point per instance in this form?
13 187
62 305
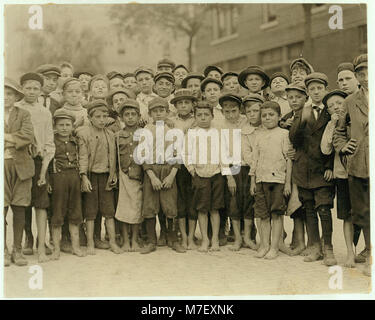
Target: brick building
271 35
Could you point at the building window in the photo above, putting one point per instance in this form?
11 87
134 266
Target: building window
269 13
295 50
237 64
224 20
363 39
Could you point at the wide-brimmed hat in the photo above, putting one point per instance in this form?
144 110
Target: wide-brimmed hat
10 83
253 70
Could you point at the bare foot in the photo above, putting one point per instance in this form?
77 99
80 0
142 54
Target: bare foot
126 247
306 252
272 254
184 243
236 246
135 247
250 244
78 252
191 245
90 250
203 247
284 249
42 258
297 250
349 262
115 248
262 252
215 245
55 255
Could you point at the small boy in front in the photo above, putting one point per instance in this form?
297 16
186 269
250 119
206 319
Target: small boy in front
312 170
65 183
207 180
270 172
97 167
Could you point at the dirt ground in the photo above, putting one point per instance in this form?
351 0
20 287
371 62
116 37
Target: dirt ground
167 273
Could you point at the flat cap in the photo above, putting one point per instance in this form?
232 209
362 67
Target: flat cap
32 76
208 69
192 75
62 113
158 102
49 69
128 103
182 94
316 77
230 96
360 61
298 87
167 75
345 66
281 75
228 74
130 94
95 104
179 66
253 70
304 62
128 74
253 97
206 81
114 74
79 73
143 70
203 104
98 77
166 63
10 83
68 81
334 93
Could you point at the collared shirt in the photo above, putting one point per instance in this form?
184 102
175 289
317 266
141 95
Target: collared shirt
315 109
248 135
66 155
143 100
269 157
101 163
41 119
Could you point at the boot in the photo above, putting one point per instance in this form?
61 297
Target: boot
28 247
329 258
99 244
176 246
315 253
361 257
148 248
7 258
18 259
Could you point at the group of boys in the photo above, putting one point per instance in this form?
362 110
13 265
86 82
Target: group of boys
71 143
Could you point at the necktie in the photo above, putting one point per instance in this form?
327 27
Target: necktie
317 112
45 96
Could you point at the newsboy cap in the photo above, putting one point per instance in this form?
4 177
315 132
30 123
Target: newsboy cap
167 75
360 61
208 69
128 103
166 63
203 104
253 97
206 81
63 114
334 93
253 70
158 102
69 80
32 76
316 77
192 75
231 97
281 75
228 74
128 74
130 94
49 69
345 66
98 77
298 87
182 94
10 83
114 74
95 104
79 73
179 66
144 70
304 62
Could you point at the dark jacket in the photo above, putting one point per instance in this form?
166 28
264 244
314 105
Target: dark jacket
310 163
22 131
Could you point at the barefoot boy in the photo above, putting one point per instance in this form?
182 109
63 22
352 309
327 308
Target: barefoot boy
65 183
97 166
270 173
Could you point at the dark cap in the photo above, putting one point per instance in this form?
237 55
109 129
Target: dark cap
98 77
114 74
360 61
345 66
253 70
130 94
166 63
69 80
63 114
128 103
206 81
167 75
304 62
281 75
183 94
32 76
202 104
208 69
158 102
253 97
334 93
49 69
79 73
316 77
10 83
193 75
228 74
93 105
143 70
298 87
230 96
179 66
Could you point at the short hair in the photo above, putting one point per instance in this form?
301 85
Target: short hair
300 65
271 105
250 103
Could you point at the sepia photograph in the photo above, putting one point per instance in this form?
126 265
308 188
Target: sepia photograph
186 150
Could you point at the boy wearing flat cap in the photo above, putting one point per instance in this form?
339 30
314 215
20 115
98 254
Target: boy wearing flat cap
129 205
193 82
116 80
346 79
130 82
278 83
18 168
300 68
211 90
66 71
312 170
355 148
213 72
145 81
165 65
184 102
97 166
254 79
164 87
180 72
43 151
159 186
51 74
65 183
